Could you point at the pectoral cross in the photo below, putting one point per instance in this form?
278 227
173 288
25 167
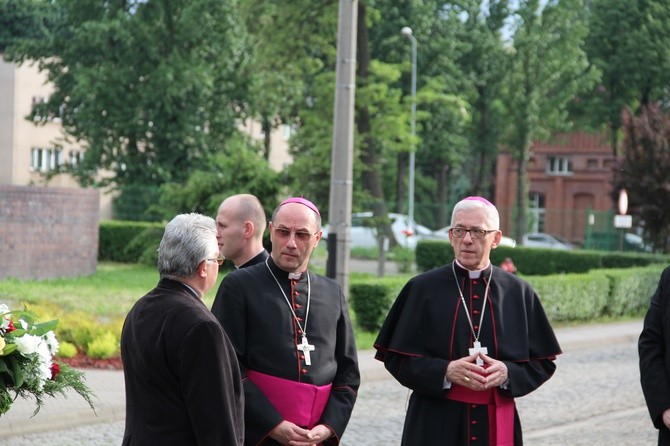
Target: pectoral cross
476 348
306 347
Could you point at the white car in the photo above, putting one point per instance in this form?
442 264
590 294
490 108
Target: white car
542 240
364 235
444 234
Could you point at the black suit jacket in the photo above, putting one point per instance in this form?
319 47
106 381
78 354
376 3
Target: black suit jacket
654 350
182 378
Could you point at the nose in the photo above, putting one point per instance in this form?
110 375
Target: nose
468 235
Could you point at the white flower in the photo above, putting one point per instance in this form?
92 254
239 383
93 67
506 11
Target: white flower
27 344
3 309
52 342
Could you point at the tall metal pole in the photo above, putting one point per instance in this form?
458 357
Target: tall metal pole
407 32
341 183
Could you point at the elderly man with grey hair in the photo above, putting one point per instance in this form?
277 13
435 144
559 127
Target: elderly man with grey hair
467 338
181 373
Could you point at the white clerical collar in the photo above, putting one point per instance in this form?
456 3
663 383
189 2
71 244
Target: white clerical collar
474 274
294 276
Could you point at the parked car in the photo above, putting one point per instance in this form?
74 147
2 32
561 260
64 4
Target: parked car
636 243
364 234
444 234
542 240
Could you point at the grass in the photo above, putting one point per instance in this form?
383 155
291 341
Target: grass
111 292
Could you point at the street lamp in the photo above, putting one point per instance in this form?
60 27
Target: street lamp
407 32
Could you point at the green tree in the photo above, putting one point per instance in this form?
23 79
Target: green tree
150 88
237 169
549 68
289 45
643 171
484 62
629 42
26 19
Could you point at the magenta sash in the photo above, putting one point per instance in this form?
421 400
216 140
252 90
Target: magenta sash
501 412
299 403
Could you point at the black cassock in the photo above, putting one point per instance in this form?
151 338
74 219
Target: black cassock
654 351
183 384
255 315
427 327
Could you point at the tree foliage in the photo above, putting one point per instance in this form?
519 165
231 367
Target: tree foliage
150 88
26 19
237 169
643 171
549 68
629 42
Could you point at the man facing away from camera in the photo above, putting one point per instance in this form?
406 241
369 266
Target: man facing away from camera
183 383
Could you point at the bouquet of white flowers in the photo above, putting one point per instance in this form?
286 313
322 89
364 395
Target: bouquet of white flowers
27 368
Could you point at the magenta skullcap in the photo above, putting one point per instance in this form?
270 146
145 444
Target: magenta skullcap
480 199
302 201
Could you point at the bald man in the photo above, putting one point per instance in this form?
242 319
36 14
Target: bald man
240 224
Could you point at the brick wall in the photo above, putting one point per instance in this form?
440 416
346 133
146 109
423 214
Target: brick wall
48 232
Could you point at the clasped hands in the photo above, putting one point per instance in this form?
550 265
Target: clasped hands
288 433
467 373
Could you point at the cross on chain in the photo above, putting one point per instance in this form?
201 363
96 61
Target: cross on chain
306 347
476 348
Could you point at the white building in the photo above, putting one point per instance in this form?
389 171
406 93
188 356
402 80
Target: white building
27 150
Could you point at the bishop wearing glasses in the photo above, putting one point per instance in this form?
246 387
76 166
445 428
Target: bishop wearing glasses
293 338
467 338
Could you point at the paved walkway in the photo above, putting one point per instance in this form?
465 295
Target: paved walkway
63 413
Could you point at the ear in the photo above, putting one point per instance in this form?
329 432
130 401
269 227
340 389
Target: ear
248 231
202 269
496 239
317 238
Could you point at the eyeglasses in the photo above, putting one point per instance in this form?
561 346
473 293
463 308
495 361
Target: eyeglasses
218 260
475 233
303 236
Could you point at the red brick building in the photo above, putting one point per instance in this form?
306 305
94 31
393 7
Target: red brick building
568 175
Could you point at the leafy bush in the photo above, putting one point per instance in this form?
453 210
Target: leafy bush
105 345
67 350
565 297
81 330
115 236
144 246
431 254
371 300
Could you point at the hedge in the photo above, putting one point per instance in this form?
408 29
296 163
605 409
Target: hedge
539 261
117 244
565 297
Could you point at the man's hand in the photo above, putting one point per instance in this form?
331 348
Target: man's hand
467 373
288 433
666 418
496 371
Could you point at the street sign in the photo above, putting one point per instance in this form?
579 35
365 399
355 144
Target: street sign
623 221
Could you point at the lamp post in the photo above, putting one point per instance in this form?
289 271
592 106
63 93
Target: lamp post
407 32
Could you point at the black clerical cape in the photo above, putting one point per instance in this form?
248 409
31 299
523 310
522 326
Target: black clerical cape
259 322
427 327
183 384
654 351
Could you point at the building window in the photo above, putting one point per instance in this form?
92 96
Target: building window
75 157
537 211
592 163
45 160
559 165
